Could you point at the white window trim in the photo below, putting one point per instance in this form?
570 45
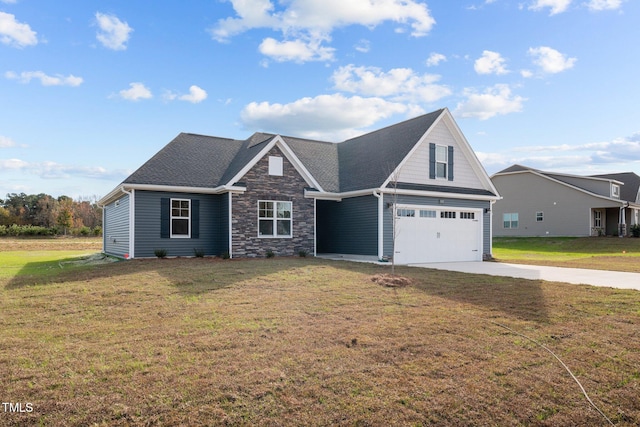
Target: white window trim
540 214
275 220
171 218
445 162
615 191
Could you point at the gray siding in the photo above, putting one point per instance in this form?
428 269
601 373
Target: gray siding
348 227
213 236
436 202
116 227
566 211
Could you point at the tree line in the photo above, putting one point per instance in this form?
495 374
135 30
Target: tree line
42 214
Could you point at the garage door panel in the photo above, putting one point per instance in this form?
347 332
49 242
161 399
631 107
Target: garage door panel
446 237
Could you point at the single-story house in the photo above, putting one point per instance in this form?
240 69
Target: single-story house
414 191
539 203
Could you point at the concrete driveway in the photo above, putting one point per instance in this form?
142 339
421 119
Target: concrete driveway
613 279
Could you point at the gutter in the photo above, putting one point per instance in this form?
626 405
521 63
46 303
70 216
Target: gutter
169 188
323 195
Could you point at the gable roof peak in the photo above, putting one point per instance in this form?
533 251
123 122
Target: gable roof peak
258 138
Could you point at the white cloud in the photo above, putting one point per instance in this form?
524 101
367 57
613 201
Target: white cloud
195 95
136 92
296 50
45 80
550 60
363 46
113 34
328 117
14 33
305 24
6 142
496 100
435 59
490 63
399 84
598 5
13 164
9 1
582 159
556 6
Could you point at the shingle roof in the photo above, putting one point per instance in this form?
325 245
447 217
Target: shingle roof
368 160
190 161
359 163
628 191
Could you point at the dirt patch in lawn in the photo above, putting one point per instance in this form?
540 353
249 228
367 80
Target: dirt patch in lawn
391 280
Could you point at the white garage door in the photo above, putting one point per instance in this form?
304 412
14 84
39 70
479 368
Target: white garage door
424 234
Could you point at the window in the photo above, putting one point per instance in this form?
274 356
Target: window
180 218
427 214
467 215
275 166
411 213
274 219
448 214
615 191
441 161
597 219
539 216
510 220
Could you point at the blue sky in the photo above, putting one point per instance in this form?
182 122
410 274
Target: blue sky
90 90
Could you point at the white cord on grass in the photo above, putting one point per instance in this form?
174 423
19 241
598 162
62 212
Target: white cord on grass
562 363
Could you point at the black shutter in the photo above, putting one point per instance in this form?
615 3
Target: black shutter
165 218
432 161
195 219
450 166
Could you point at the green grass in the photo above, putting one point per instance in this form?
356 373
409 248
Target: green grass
602 253
37 263
304 341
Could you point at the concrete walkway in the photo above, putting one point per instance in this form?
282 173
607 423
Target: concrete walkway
613 279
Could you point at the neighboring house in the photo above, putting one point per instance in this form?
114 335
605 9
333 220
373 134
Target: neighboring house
283 194
539 203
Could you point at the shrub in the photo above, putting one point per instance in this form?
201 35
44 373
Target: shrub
97 231
270 254
225 255
198 252
160 253
635 230
84 231
302 253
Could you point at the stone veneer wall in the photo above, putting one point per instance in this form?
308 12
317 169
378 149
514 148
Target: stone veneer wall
262 186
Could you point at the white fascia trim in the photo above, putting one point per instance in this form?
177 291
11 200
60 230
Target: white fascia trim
396 172
289 154
476 164
302 170
337 197
439 194
125 188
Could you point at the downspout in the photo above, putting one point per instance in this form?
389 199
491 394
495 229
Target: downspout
132 223
230 225
380 198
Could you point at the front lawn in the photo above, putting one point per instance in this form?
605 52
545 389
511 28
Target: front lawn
302 341
600 253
